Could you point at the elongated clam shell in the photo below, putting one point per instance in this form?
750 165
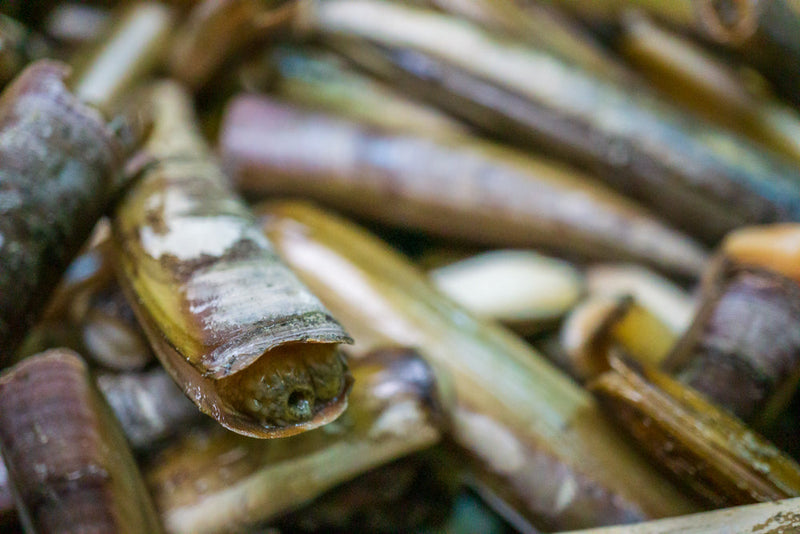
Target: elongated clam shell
780 517
406 495
537 438
543 26
453 187
67 459
743 348
58 161
763 32
243 338
691 176
214 482
324 82
712 452
584 337
601 324
712 88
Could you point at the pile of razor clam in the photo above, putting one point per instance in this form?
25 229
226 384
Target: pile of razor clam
430 266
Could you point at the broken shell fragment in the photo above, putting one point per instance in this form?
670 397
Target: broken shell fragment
67 459
243 338
601 325
670 303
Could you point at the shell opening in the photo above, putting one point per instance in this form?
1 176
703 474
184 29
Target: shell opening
288 385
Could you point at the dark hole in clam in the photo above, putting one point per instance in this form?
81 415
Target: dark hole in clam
289 384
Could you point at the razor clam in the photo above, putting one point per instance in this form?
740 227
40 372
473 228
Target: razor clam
674 306
323 82
453 187
213 481
703 180
713 453
18 47
533 434
522 289
743 349
148 405
68 462
133 45
58 165
697 79
782 517
215 30
243 338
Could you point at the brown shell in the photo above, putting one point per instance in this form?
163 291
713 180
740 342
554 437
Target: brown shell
712 452
66 456
215 302
58 162
743 348
460 188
